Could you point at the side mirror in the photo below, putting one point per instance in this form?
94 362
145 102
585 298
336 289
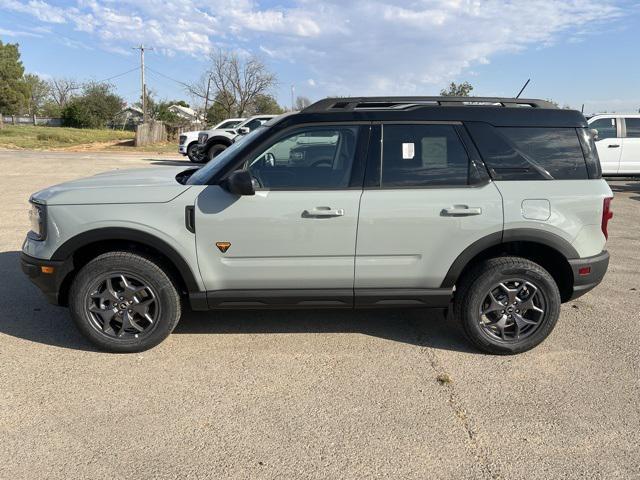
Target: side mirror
243 130
240 182
594 134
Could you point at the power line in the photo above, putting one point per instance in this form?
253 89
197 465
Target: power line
119 75
167 77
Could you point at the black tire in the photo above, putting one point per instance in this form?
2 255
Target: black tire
215 150
475 294
193 153
138 270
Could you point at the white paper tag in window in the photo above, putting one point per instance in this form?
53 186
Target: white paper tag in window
408 151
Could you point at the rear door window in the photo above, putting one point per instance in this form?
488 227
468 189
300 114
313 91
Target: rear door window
423 156
530 153
633 127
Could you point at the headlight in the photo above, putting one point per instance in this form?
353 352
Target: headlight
38 219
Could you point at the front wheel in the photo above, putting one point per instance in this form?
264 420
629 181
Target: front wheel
193 153
124 302
507 305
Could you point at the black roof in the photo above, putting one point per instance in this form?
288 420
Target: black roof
494 110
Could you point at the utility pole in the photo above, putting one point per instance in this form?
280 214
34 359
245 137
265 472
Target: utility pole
206 98
293 92
143 84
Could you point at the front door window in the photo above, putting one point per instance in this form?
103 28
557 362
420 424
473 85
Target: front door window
310 158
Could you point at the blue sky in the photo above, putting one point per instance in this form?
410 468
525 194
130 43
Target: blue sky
576 51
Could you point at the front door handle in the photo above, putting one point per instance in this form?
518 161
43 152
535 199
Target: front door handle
321 212
461 211
614 146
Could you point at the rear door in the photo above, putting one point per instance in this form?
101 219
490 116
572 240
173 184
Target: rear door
426 199
609 143
630 159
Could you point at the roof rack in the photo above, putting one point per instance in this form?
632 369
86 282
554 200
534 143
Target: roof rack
404 103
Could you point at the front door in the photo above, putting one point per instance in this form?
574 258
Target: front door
428 203
630 159
293 242
608 144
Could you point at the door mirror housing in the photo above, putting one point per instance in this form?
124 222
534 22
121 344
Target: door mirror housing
239 182
243 130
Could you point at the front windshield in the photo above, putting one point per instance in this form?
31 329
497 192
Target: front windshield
210 169
228 124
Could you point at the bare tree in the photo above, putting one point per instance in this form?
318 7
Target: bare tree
302 103
233 82
62 89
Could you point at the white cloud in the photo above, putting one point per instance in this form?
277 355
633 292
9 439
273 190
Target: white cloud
17 33
356 46
37 8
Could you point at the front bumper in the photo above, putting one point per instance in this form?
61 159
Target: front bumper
584 281
182 149
49 283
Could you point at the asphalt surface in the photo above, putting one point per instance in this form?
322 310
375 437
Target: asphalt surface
327 395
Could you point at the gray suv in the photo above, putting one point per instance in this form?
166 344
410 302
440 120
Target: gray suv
492 207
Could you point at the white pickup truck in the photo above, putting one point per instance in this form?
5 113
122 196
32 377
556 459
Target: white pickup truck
189 140
618 143
213 142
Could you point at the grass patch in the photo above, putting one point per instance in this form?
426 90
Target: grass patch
444 379
32 137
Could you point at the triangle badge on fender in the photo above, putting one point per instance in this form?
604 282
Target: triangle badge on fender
223 246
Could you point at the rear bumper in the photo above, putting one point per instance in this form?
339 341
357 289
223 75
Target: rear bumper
49 283
597 267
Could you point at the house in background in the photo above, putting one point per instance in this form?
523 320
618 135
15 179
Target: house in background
187 114
128 117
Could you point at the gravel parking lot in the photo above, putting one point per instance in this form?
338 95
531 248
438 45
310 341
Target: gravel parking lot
326 395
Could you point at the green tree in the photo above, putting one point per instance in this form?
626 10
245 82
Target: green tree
94 108
51 109
38 93
265 105
220 109
457 90
13 90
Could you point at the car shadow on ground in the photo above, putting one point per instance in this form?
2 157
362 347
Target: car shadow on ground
25 314
172 163
633 187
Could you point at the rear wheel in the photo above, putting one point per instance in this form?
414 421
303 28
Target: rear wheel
215 150
507 305
124 302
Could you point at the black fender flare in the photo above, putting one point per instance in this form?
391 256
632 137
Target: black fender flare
217 140
68 248
531 235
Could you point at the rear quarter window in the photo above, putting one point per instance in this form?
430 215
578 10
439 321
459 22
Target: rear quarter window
530 153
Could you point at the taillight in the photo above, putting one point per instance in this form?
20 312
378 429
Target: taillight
607 215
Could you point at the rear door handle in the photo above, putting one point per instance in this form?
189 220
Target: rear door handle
320 212
614 146
461 211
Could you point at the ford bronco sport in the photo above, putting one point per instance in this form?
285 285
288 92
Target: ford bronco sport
494 207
